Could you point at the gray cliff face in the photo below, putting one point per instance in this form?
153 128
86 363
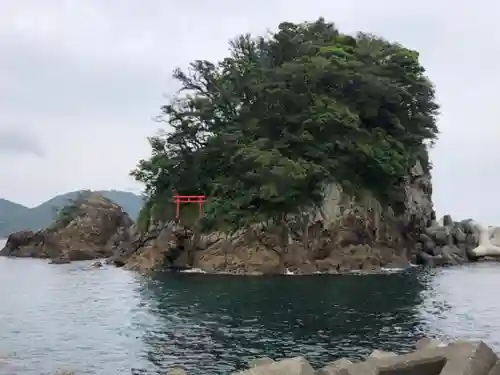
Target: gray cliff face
419 209
346 233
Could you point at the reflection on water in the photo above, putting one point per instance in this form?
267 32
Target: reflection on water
217 323
109 321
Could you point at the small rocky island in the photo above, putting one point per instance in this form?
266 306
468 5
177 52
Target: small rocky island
319 166
88 228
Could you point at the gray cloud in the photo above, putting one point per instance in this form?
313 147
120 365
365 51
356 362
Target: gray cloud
12 142
92 74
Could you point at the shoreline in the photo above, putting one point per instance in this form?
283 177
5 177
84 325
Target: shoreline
381 271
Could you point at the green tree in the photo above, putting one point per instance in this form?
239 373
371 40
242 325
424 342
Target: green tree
262 131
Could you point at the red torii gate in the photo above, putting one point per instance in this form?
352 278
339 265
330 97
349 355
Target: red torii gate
200 199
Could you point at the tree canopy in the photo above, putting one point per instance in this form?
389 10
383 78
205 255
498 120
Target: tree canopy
263 130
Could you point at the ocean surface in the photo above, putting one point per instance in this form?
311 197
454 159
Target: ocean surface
111 321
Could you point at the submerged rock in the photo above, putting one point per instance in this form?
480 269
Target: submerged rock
90 228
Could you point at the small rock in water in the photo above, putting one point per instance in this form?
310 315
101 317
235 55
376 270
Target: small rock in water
97 264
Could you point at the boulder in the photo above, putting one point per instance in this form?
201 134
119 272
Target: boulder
86 229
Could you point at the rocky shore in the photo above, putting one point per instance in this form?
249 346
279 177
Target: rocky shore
345 234
430 357
342 236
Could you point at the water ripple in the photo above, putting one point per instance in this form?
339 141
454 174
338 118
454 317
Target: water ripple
110 321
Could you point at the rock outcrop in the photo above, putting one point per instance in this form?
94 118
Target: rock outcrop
345 233
429 358
90 228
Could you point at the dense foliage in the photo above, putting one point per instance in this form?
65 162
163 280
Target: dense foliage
264 129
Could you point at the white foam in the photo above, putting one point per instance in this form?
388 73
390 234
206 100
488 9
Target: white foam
193 270
383 270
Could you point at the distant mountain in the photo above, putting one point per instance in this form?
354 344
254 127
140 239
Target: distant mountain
15 217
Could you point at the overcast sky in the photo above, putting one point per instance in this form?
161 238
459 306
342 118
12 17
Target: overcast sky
81 80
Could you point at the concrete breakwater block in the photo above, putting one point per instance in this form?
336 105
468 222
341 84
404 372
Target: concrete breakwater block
260 361
289 366
431 357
